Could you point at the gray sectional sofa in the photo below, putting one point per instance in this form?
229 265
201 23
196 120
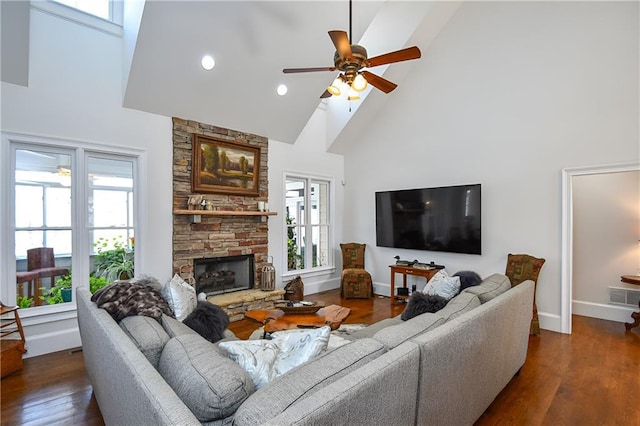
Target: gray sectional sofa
440 368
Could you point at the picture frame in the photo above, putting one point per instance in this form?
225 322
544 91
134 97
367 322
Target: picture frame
223 167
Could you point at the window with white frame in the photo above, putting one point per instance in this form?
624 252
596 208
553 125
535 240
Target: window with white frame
74 211
308 223
99 8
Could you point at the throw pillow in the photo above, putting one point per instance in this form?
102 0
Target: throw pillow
447 287
435 279
468 279
264 360
419 303
208 320
180 296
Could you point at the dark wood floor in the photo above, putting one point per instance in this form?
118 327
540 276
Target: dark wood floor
591 377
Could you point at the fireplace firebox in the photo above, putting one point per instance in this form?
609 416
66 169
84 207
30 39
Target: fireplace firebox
226 274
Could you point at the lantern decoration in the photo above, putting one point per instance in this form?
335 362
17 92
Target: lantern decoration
268 279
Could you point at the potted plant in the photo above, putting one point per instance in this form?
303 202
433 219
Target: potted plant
114 260
60 293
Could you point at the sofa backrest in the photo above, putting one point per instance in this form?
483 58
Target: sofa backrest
467 361
127 387
380 392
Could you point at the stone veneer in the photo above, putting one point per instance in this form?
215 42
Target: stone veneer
237 303
217 236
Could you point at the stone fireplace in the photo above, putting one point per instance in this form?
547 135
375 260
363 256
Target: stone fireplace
233 228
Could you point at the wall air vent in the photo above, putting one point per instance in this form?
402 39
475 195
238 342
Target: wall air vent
624 296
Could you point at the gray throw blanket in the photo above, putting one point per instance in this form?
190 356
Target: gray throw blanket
125 299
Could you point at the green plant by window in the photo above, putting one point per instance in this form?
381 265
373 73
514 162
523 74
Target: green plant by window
114 259
25 302
293 258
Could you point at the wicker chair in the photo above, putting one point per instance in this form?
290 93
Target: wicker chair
356 281
522 267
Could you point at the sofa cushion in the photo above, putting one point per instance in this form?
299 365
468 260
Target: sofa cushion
147 334
459 305
371 330
209 383
490 287
264 360
394 335
174 328
305 380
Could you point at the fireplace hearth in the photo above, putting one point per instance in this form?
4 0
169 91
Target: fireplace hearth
226 274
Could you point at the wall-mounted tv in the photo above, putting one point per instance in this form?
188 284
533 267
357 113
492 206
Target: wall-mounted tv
434 219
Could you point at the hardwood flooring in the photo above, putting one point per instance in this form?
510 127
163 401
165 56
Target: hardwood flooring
591 377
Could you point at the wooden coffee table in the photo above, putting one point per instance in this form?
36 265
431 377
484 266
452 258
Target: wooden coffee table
277 320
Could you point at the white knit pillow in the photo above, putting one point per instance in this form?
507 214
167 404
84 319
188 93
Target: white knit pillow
180 296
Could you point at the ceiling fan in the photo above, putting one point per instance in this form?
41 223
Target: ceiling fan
350 59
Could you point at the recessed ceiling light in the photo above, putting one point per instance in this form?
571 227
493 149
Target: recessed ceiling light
282 90
208 62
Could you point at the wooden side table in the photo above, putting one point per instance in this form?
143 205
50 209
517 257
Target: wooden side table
632 279
407 270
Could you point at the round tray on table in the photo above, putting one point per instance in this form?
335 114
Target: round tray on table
299 307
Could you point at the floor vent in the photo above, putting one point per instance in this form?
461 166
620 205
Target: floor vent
624 296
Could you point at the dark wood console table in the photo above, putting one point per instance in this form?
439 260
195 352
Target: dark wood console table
407 270
632 279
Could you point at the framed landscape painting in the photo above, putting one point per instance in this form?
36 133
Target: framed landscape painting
222 167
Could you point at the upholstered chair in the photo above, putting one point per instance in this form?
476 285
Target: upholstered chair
356 281
523 267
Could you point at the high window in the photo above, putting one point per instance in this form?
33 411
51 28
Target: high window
99 8
308 223
73 221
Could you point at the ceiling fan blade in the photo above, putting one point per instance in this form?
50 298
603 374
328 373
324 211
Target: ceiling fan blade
391 57
378 82
325 94
341 42
294 70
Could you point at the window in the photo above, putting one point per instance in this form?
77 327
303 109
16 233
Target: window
308 223
74 218
99 8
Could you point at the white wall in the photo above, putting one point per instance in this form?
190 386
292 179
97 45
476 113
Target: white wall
606 229
75 93
508 95
306 156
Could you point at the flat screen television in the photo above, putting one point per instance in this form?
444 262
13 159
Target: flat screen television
435 219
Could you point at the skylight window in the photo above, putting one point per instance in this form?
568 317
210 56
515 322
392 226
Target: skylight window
99 8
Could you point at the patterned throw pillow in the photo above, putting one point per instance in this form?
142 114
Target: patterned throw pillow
435 279
441 284
264 360
180 296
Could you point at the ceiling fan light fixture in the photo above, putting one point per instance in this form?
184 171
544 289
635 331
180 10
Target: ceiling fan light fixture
353 95
334 89
359 83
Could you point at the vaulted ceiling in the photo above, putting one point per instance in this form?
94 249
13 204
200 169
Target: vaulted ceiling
251 41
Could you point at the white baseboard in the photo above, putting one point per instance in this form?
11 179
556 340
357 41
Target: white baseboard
602 311
320 286
46 343
550 322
